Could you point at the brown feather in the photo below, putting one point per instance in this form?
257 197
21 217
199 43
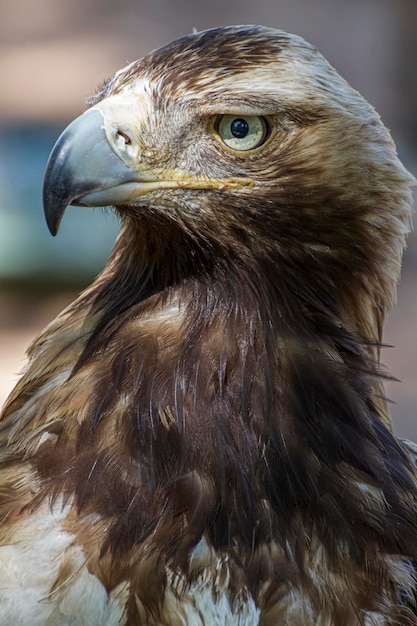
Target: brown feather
212 407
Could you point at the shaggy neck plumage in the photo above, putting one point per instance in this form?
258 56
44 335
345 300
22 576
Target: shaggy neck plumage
265 411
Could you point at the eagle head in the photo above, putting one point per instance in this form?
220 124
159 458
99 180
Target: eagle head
250 146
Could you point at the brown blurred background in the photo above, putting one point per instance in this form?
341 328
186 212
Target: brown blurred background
53 53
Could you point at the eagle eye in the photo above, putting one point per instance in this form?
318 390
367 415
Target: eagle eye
242 132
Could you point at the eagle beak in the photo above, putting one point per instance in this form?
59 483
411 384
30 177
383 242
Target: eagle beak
84 169
97 161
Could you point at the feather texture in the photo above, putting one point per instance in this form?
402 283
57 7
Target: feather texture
202 436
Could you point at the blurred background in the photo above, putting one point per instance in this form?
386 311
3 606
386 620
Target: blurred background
54 53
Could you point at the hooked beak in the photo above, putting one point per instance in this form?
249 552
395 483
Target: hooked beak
97 162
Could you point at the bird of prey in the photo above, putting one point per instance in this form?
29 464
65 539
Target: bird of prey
202 437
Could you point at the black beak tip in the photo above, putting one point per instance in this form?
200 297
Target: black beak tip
57 185
53 228
51 220
53 208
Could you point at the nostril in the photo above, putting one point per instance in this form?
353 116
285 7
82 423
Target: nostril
124 136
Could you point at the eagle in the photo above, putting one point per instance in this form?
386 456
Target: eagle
202 438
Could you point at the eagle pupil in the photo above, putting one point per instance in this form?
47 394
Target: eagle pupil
239 128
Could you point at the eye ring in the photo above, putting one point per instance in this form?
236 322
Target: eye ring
242 133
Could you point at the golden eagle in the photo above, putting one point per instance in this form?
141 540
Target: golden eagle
202 438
